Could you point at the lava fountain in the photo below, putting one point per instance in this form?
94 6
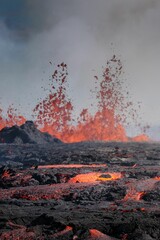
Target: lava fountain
12 118
54 113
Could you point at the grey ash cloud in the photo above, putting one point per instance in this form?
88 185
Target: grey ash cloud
25 18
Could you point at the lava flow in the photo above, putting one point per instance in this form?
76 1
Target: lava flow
95 176
71 166
114 196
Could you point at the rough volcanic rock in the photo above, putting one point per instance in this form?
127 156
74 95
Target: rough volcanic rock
42 201
26 133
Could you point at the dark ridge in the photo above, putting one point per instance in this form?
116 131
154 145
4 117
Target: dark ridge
26 133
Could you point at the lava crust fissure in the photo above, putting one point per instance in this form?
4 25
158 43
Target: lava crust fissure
97 191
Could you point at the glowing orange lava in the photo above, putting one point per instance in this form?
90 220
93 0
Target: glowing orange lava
71 166
157 178
95 176
54 114
12 118
95 234
141 138
136 196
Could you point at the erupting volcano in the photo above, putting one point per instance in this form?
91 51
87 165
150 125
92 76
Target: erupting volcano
55 113
79 129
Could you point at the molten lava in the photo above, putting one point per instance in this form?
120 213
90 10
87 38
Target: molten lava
141 138
95 176
71 166
135 196
12 118
157 178
95 234
54 114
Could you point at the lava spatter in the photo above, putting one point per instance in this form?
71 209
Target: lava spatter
11 118
55 113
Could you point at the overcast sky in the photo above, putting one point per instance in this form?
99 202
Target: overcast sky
84 34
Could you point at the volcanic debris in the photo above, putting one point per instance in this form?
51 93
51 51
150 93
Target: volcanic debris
26 133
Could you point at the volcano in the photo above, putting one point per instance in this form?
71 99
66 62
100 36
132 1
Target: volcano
26 133
107 120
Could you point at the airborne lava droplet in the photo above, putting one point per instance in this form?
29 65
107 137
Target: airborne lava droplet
55 113
12 118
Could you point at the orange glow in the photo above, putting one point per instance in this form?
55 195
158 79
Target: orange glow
135 196
95 176
95 234
141 138
54 114
157 178
6 174
71 166
12 118
143 209
62 233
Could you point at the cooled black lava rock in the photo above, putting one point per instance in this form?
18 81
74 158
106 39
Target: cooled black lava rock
26 133
152 196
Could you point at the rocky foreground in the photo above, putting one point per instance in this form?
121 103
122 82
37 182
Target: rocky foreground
80 191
